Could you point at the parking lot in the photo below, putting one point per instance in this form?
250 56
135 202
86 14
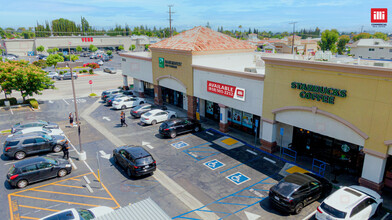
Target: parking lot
228 176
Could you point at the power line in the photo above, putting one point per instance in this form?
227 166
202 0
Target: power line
170 19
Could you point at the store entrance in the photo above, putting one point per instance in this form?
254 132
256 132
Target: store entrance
172 97
335 152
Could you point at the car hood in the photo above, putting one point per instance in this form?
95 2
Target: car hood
59 139
100 211
52 125
63 161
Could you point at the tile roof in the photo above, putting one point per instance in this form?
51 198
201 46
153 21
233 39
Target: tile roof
202 39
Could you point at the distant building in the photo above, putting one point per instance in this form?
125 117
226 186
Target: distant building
372 49
302 47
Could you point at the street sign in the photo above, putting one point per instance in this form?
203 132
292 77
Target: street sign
214 164
179 145
281 131
90 82
238 178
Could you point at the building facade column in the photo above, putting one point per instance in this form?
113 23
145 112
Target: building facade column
192 105
268 135
158 95
373 170
125 82
139 87
223 115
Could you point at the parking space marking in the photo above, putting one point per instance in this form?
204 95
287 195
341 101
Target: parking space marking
39 208
231 168
229 141
66 102
252 152
296 169
310 215
179 145
238 178
179 138
214 164
79 187
26 217
70 194
54 200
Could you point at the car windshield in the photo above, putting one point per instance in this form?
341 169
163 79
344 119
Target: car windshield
51 160
68 215
164 125
117 100
133 99
47 137
148 114
85 214
43 122
19 132
332 211
144 161
286 189
46 130
138 107
10 143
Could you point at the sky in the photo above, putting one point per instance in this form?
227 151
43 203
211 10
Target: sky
269 15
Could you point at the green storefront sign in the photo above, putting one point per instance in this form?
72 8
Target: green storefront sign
161 62
168 63
319 93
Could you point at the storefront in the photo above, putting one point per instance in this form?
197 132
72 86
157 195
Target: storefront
336 113
172 97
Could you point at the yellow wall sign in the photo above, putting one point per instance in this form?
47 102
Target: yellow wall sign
318 93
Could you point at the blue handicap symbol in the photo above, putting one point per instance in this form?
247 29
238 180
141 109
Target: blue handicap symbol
214 164
179 144
238 178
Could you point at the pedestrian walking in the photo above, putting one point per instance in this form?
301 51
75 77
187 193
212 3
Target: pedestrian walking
71 119
66 150
123 119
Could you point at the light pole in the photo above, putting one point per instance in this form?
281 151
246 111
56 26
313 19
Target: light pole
292 43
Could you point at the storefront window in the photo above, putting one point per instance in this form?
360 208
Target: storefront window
237 116
247 120
209 107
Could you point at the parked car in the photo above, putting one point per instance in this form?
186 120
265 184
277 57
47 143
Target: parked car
105 58
156 116
40 123
353 202
85 54
54 131
41 57
110 70
93 56
79 214
37 169
109 92
53 75
137 111
135 160
110 56
173 127
8 57
13 55
19 146
110 99
127 102
67 75
298 190
127 92
100 62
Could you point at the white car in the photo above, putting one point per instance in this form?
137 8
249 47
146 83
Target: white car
10 57
79 214
353 202
156 116
127 102
100 62
55 131
52 75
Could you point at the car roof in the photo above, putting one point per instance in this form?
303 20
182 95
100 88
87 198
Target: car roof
299 178
24 136
155 111
345 198
29 161
137 151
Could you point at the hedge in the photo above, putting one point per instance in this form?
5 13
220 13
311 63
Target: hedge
12 100
32 102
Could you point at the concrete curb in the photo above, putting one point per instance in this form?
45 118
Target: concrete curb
177 190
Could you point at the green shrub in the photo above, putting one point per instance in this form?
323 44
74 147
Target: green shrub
12 101
80 71
93 94
34 103
84 71
40 63
91 71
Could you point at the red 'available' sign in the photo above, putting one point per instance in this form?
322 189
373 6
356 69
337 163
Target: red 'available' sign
87 39
226 90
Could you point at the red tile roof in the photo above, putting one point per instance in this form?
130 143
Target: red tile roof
202 39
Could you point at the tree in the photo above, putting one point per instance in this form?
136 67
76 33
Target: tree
55 49
343 40
73 57
109 52
91 47
53 59
362 36
121 47
146 46
328 40
208 25
380 35
79 49
49 51
24 77
40 48
132 47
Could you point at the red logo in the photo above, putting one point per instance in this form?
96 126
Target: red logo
240 93
90 82
379 15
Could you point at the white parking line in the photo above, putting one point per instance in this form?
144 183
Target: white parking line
73 164
310 215
209 133
267 159
149 146
252 152
11 111
385 216
66 102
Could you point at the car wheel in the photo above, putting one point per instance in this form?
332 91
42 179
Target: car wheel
197 129
22 183
173 134
115 159
154 122
123 107
62 173
129 172
20 155
57 148
141 103
298 208
173 116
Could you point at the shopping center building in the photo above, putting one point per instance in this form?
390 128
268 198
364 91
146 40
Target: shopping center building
339 114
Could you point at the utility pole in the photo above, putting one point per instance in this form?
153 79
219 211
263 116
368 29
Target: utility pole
292 43
170 19
361 29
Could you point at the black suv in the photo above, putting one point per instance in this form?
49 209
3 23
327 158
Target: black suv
136 160
174 126
36 169
297 190
18 146
137 111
